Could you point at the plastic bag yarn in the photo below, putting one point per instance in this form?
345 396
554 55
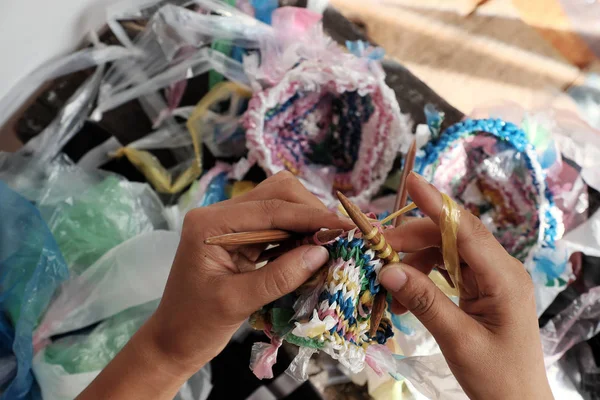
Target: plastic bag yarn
133 273
330 313
68 365
221 131
31 268
491 168
325 115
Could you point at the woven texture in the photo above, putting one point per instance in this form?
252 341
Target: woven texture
332 312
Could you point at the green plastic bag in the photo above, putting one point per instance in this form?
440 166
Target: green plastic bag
67 366
89 224
92 352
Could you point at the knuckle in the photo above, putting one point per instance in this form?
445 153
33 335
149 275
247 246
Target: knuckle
476 229
269 206
422 304
279 283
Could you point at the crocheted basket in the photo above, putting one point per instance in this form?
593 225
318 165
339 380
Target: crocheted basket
332 312
490 167
336 125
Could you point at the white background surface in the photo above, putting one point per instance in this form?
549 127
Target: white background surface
35 31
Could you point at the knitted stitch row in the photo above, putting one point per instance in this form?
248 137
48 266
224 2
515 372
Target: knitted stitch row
338 321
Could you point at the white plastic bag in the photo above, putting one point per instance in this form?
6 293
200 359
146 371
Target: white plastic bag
131 274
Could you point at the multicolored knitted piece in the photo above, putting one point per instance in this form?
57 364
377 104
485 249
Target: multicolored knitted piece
331 312
335 124
490 167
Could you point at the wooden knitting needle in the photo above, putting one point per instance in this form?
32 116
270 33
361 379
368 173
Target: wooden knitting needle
267 236
384 251
402 195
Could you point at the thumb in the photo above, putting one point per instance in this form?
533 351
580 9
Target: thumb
415 291
278 277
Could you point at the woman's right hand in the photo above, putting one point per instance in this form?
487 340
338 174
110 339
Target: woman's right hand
491 341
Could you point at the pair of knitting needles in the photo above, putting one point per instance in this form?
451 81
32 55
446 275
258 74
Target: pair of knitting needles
370 232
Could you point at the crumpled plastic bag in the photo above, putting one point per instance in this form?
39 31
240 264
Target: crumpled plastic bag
133 273
88 212
88 224
31 268
577 323
67 366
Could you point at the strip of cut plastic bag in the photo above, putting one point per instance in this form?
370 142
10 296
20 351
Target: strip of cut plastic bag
171 30
218 131
100 154
263 357
159 177
133 273
298 368
77 61
449 222
577 323
45 146
203 61
31 268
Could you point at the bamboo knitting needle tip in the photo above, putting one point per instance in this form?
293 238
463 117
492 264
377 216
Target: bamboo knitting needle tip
402 195
355 214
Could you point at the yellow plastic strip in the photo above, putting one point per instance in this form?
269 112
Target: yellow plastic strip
401 211
449 220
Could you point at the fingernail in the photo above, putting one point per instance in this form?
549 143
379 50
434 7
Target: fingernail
393 277
315 257
419 177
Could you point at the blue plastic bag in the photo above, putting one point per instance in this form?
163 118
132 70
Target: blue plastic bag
31 268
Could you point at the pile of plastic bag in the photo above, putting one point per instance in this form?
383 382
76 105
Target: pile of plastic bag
93 204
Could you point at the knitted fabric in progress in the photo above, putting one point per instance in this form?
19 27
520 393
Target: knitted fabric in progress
335 128
333 311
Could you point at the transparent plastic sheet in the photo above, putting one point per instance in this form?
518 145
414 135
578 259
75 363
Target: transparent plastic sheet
298 368
219 132
198 387
67 366
46 146
577 323
77 61
100 154
449 221
133 273
31 268
561 385
430 375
